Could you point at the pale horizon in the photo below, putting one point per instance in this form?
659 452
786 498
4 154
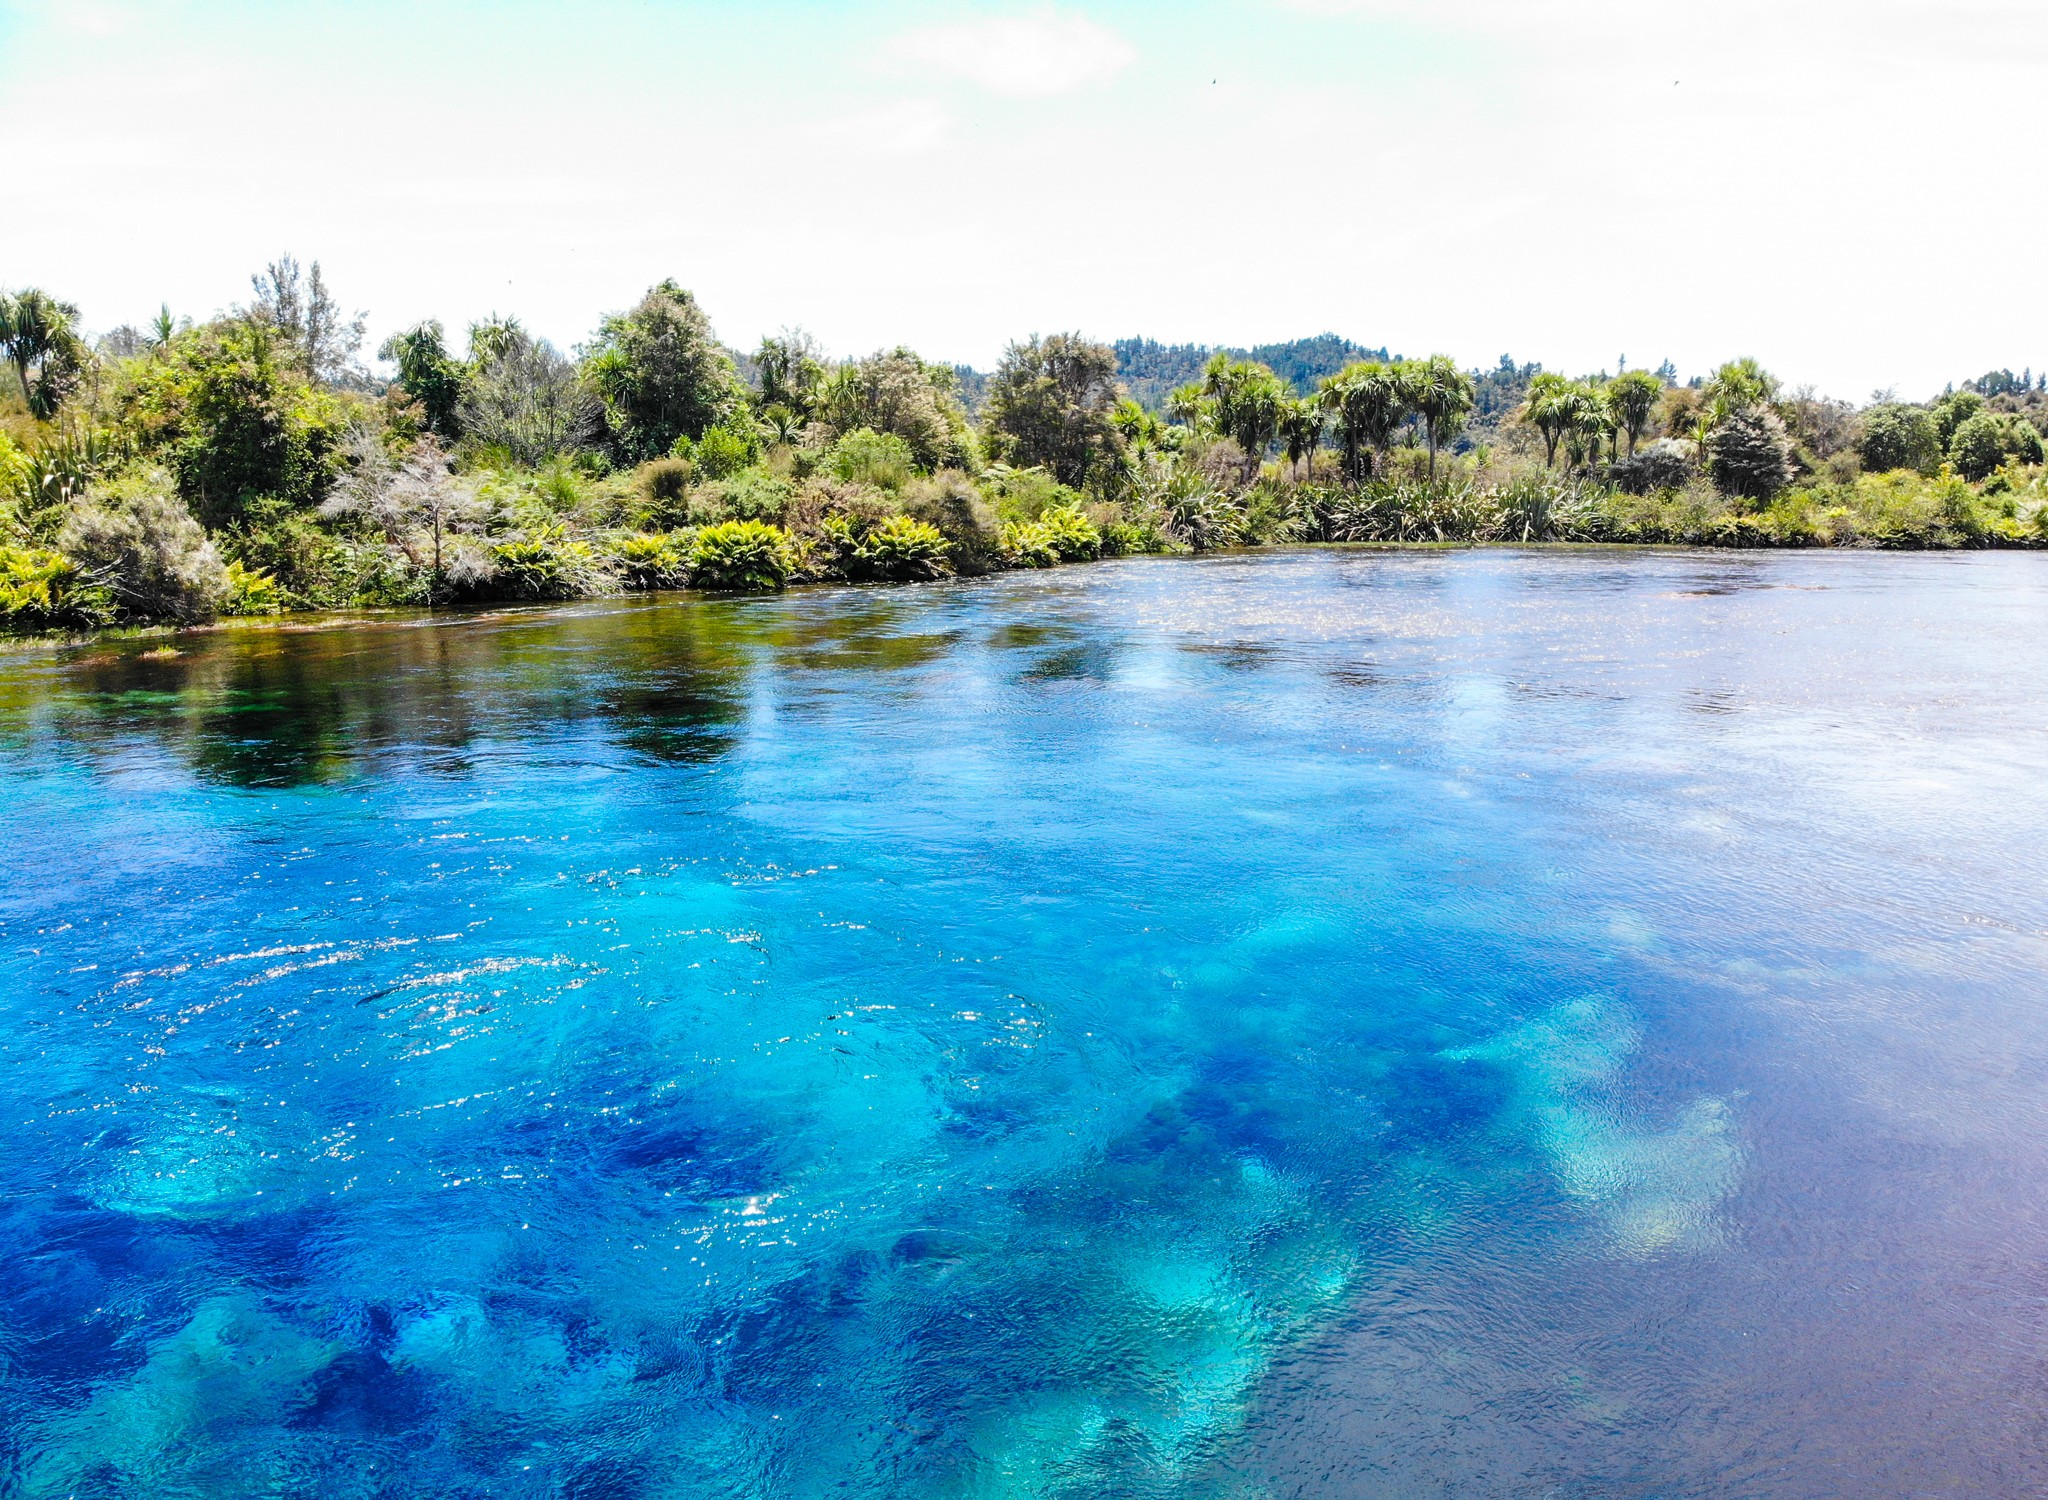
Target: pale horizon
1570 183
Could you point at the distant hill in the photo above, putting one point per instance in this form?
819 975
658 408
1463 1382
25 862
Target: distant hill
1150 369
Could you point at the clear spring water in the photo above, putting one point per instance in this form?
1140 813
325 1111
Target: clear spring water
1315 1024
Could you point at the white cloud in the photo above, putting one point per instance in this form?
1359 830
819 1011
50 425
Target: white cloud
1049 53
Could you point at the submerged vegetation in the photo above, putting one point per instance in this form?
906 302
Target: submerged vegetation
250 464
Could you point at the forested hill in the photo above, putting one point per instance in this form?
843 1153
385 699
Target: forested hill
1149 369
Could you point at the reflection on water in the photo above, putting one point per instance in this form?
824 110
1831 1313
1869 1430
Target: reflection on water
1315 1024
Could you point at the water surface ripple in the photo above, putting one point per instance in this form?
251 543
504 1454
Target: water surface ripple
1314 1024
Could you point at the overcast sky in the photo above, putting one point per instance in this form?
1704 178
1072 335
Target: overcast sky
1847 189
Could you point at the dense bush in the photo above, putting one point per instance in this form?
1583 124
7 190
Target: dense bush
659 560
134 535
950 503
1896 436
45 590
245 467
741 557
236 420
880 459
1665 464
547 563
1749 454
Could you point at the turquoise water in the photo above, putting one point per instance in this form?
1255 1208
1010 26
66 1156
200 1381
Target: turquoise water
1308 1024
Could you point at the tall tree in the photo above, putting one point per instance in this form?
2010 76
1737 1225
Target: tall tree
1442 396
522 395
792 368
300 306
1632 396
39 335
429 375
897 392
1368 401
1052 402
1247 400
660 373
1301 429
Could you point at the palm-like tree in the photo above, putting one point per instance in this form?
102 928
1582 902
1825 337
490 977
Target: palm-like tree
1301 429
1248 400
1368 401
1584 419
40 333
1442 395
1545 409
1632 396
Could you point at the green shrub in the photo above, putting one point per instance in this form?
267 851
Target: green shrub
233 413
1073 536
250 592
756 495
135 535
741 557
902 548
950 502
663 487
545 563
1026 494
654 561
1126 538
881 459
725 450
1978 446
45 590
1027 544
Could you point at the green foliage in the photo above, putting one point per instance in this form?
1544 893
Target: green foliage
250 592
1368 402
1245 402
1741 383
1124 538
136 536
1050 404
235 419
741 557
724 450
429 375
1896 436
661 374
751 495
899 395
546 563
1029 545
864 456
39 337
658 560
1749 454
1026 494
894 549
950 503
663 485
522 401
1441 395
1950 412
1978 446
1073 536
1632 397
44 480
45 590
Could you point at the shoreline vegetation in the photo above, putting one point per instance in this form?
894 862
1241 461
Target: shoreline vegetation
250 465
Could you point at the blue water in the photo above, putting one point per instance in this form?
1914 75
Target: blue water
1308 1024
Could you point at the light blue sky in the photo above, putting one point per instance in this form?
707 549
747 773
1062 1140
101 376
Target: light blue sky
1840 187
